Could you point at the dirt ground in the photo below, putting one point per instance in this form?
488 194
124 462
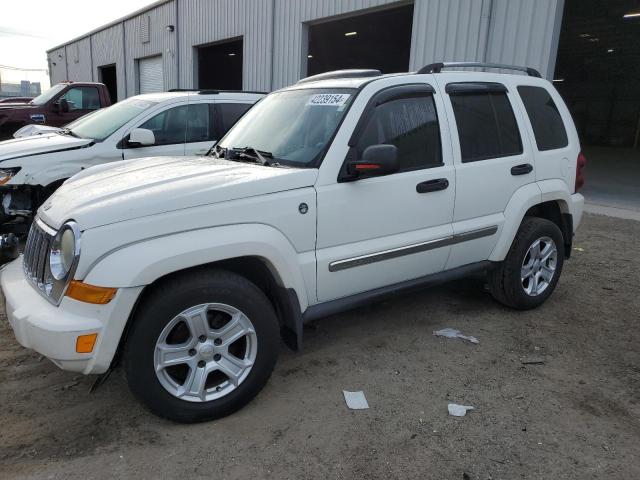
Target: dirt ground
576 416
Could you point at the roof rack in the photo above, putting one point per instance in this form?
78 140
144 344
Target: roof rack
354 73
437 67
212 92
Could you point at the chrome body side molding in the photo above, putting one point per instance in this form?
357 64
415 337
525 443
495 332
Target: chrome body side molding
411 249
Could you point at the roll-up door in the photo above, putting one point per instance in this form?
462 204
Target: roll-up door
151 78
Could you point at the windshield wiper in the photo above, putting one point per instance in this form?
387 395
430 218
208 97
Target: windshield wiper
253 155
217 151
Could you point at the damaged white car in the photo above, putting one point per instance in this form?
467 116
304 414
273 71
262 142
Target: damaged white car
160 124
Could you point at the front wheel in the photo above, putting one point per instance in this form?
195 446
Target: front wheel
201 346
530 272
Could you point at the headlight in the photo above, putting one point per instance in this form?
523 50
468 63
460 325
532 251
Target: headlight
7 173
64 249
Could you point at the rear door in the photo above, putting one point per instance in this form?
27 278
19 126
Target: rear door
492 158
379 231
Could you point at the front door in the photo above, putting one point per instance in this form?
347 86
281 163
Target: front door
378 231
81 100
169 128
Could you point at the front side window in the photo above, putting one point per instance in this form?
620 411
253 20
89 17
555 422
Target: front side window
546 121
82 98
102 123
295 127
411 124
487 127
168 127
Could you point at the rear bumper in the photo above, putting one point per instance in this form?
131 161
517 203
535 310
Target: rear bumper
577 208
53 330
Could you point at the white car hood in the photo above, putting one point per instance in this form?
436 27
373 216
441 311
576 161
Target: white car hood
38 144
150 186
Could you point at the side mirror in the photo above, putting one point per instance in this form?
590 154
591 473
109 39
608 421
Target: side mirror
141 137
63 105
376 160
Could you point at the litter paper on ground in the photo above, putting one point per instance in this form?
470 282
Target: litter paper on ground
453 333
458 410
355 400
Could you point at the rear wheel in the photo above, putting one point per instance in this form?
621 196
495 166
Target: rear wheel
530 272
201 346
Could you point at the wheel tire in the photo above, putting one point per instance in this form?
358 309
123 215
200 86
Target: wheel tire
162 305
505 281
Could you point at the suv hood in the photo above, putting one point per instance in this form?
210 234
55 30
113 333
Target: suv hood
26 146
142 187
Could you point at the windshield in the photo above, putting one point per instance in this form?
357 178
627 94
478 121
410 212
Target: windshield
104 122
293 126
48 95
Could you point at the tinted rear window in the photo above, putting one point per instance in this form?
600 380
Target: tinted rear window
546 121
487 126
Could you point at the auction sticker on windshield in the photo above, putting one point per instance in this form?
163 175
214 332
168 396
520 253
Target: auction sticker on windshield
329 99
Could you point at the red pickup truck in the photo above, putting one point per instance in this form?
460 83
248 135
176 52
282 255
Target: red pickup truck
59 105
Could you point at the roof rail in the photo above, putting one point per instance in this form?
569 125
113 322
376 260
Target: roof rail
213 92
437 67
354 73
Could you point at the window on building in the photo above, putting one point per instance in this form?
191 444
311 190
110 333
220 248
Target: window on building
487 127
546 121
82 98
411 124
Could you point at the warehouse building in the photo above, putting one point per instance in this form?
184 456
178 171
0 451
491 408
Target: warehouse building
268 44
590 47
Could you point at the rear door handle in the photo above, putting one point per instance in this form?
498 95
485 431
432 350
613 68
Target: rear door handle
522 169
432 185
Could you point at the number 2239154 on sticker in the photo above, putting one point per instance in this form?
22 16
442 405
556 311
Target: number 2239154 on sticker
329 99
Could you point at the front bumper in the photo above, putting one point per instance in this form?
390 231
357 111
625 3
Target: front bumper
52 330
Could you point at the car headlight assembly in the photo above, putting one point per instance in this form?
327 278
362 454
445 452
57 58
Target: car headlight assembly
65 248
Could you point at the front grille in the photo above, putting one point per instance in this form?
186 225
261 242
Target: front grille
36 256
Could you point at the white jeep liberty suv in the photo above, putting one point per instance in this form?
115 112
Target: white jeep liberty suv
338 190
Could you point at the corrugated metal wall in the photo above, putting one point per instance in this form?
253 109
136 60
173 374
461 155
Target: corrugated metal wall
204 22
57 65
161 42
108 50
274 32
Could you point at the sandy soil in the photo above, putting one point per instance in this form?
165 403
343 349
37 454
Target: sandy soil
576 416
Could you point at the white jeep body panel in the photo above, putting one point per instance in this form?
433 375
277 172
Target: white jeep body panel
144 219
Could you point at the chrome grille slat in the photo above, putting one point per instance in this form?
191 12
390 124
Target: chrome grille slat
35 255
35 261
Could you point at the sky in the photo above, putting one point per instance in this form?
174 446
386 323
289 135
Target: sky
29 28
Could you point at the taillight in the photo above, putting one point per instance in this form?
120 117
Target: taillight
580 164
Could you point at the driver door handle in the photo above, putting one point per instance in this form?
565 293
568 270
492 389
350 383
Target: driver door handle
432 185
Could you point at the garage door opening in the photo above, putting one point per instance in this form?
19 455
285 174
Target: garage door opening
219 66
597 73
380 40
107 75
